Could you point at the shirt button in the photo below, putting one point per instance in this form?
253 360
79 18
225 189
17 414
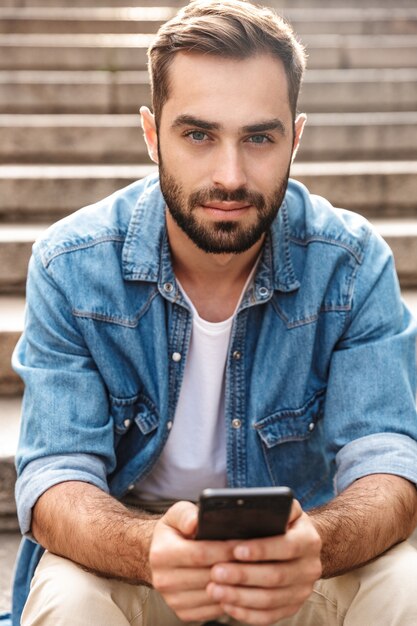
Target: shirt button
169 425
236 423
311 426
176 356
131 487
263 292
127 423
236 355
168 287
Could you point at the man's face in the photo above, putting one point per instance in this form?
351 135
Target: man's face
225 143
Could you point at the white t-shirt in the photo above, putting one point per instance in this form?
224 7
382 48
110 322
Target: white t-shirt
194 456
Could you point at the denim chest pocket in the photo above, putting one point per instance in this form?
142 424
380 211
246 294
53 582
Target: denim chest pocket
293 448
291 424
133 416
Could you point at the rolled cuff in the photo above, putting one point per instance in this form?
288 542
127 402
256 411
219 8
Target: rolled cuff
381 453
41 474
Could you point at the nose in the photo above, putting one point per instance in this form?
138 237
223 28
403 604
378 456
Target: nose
229 169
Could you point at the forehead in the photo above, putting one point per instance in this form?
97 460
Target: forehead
227 90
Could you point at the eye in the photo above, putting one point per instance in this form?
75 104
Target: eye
198 136
259 139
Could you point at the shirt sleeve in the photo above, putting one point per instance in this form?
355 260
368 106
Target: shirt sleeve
371 421
66 428
41 474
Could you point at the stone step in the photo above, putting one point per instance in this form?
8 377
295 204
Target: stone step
401 236
119 52
9 420
11 324
105 3
85 138
359 136
52 191
74 52
339 20
279 4
359 90
348 90
77 92
9 544
361 51
9 429
47 192
86 19
72 138
15 248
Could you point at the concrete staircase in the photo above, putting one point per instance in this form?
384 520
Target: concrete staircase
72 78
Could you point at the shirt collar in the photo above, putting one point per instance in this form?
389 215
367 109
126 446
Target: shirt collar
145 235
283 273
146 250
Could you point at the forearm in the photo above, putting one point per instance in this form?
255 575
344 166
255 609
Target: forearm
373 514
82 523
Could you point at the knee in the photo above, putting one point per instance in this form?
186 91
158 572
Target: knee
381 592
397 567
61 593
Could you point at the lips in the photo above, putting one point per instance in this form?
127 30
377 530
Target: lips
226 206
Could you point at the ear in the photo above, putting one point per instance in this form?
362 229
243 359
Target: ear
149 132
299 129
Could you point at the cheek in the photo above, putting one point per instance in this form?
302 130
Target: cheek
178 162
189 174
261 180
267 165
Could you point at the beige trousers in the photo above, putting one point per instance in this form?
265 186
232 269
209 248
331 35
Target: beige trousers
382 593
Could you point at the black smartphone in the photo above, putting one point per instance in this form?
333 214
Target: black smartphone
243 513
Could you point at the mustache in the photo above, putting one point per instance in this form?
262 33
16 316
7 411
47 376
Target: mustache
203 196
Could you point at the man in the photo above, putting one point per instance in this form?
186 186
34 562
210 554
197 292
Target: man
215 327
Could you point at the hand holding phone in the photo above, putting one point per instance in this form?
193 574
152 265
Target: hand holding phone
243 513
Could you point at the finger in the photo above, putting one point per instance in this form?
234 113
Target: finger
300 540
189 600
195 606
184 579
254 617
280 548
200 613
173 551
268 575
182 516
202 554
172 547
258 598
296 511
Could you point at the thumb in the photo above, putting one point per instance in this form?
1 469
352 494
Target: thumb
183 517
296 512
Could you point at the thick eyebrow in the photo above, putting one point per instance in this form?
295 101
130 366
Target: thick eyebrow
259 127
190 120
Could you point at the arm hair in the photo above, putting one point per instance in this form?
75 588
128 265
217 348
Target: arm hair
369 517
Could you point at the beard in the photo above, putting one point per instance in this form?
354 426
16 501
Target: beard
222 237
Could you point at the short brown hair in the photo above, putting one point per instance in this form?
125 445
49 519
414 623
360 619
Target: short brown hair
233 29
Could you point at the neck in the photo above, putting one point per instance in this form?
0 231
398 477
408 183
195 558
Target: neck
214 282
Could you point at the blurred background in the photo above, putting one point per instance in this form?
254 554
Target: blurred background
72 78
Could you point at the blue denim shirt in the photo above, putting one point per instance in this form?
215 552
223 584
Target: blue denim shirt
320 374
